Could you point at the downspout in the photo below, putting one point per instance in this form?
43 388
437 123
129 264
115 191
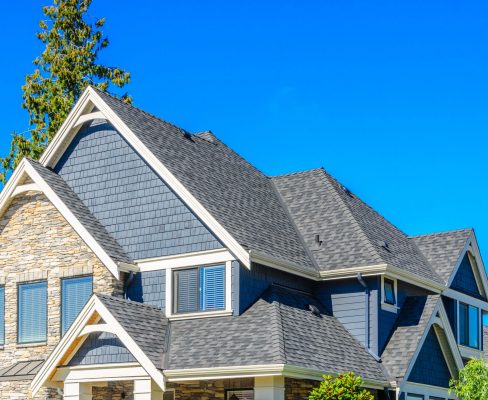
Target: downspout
366 307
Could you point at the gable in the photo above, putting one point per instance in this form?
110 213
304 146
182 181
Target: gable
430 367
128 198
464 280
101 348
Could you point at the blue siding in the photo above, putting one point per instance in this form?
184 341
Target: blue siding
149 288
136 207
252 283
464 281
101 348
430 354
346 299
450 305
387 319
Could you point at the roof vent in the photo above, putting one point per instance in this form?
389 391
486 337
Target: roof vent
318 242
384 244
187 135
346 190
314 309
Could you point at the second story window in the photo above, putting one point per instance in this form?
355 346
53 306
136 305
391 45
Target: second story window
75 292
32 312
389 292
199 289
469 325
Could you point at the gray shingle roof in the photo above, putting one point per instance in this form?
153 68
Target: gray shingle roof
145 324
443 249
351 230
409 328
239 197
81 212
19 371
277 329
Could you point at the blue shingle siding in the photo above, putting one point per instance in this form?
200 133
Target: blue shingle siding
101 348
252 283
464 280
149 288
346 300
450 306
136 207
430 354
387 319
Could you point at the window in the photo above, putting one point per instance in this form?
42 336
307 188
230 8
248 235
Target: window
75 292
199 289
239 394
2 315
469 325
389 291
32 312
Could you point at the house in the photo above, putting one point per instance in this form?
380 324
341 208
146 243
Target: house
140 261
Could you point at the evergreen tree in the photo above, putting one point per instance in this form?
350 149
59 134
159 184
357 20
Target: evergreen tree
345 386
65 68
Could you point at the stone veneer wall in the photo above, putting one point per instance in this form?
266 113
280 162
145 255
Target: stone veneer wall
36 242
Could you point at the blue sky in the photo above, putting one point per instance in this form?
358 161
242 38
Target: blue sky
390 97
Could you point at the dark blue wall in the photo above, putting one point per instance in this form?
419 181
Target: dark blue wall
430 355
346 300
136 207
450 306
387 319
101 348
464 281
149 288
252 283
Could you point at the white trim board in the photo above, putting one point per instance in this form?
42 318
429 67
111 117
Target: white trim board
426 390
93 308
39 184
64 136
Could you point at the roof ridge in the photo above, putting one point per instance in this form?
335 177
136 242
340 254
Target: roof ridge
297 172
442 232
278 321
344 204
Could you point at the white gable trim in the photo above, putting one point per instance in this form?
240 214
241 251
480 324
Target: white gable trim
443 321
93 307
471 247
13 187
91 99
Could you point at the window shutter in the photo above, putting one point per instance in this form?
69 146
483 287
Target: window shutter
213 288
75 294
2 315
32 326
187 290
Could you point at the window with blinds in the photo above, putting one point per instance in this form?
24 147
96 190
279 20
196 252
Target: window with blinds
199 289
32 310
75 292
2 315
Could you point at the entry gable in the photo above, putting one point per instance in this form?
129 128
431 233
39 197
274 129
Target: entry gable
464 280
141 329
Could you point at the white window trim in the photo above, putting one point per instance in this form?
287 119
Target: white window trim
387 306
203 314
425 390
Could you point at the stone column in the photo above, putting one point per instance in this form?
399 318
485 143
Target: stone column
269 388
146 389
77 391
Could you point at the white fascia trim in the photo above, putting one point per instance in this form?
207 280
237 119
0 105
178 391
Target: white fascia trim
49 158
414 279
94 306
273 262
249 371
464 298
24 168
185 260
100 373
199 315
345 273
426 390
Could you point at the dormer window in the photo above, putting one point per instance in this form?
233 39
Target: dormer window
469 326
389 294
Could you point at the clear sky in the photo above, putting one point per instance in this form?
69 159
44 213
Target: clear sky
391 97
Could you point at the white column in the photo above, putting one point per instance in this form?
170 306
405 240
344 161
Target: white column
143 390
77 391
269 388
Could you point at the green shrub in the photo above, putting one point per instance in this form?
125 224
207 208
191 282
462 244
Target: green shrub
344 387
473 381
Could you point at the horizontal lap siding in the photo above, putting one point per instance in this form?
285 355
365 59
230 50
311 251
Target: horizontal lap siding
130 200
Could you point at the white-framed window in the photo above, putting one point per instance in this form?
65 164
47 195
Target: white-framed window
469 325
75 292
203 290
389 300
32 312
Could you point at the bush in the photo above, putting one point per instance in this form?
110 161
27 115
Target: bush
345 387
473 381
